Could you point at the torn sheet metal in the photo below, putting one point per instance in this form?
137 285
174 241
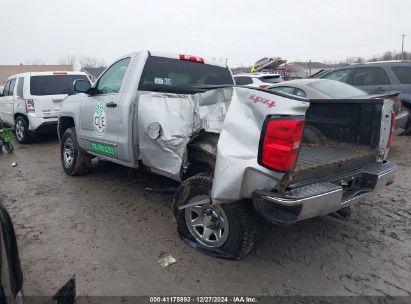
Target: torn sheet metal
236 113
180 116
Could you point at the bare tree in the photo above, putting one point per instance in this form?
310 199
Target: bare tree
36 61
360 60
68 60
387 56
90 62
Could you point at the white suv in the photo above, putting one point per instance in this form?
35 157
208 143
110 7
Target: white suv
31 101
259 80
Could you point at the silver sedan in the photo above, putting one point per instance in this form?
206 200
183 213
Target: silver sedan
314 88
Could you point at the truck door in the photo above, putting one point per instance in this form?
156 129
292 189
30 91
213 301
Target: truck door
7 102
372 80
99 111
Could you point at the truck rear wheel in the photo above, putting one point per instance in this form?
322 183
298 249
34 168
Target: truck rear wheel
75 160
224 231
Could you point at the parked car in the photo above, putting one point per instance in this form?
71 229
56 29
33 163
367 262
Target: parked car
30 101
237 151
379 77
260 80
325 89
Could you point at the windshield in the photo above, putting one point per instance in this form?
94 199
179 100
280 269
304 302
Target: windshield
181 76
53 84
336 89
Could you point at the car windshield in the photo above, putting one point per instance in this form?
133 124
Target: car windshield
174 76
336 89
53 84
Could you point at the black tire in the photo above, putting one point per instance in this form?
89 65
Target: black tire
9 147
240 215
21 129
345 212
80 163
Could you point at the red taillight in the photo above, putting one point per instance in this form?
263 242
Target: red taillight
59 73
263 86
392 130
192 58
280 144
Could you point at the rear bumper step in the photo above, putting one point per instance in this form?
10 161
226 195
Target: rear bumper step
323 197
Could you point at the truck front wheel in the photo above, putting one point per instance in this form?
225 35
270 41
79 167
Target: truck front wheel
75 160
224 231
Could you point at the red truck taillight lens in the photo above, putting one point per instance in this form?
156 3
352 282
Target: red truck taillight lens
392 130
280 143
192 58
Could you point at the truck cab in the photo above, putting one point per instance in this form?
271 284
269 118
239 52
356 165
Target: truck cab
104 124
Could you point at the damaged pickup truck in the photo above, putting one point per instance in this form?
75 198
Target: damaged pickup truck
240 153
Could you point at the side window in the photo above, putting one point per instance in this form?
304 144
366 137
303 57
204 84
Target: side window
6 89
111 80
243 80
20 85
287 90
341 75
370 76
300 93
403 73
11 89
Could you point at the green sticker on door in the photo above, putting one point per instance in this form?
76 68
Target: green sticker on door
102 148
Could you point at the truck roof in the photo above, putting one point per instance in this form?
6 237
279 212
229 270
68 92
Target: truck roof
48 73
177 56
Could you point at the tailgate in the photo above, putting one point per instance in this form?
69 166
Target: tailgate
48 106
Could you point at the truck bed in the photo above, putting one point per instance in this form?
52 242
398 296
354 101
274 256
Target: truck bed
316 161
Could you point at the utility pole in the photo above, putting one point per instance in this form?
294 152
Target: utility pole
402 47
309 67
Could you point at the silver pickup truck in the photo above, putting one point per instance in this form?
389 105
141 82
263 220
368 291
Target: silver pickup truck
240 153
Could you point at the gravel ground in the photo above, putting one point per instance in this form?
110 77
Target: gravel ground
109 231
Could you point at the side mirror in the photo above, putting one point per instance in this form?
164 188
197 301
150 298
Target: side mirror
81 85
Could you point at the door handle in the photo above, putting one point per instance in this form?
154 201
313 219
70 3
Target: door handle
111 105
379 89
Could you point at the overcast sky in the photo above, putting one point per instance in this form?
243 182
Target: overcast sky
240 30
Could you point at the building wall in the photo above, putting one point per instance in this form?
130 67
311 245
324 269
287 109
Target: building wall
9 70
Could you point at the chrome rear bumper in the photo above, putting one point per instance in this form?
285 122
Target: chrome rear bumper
323 196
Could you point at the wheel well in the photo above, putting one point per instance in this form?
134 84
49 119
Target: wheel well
65 122
22 115
202 153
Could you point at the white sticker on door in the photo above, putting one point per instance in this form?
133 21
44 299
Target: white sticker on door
100 122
